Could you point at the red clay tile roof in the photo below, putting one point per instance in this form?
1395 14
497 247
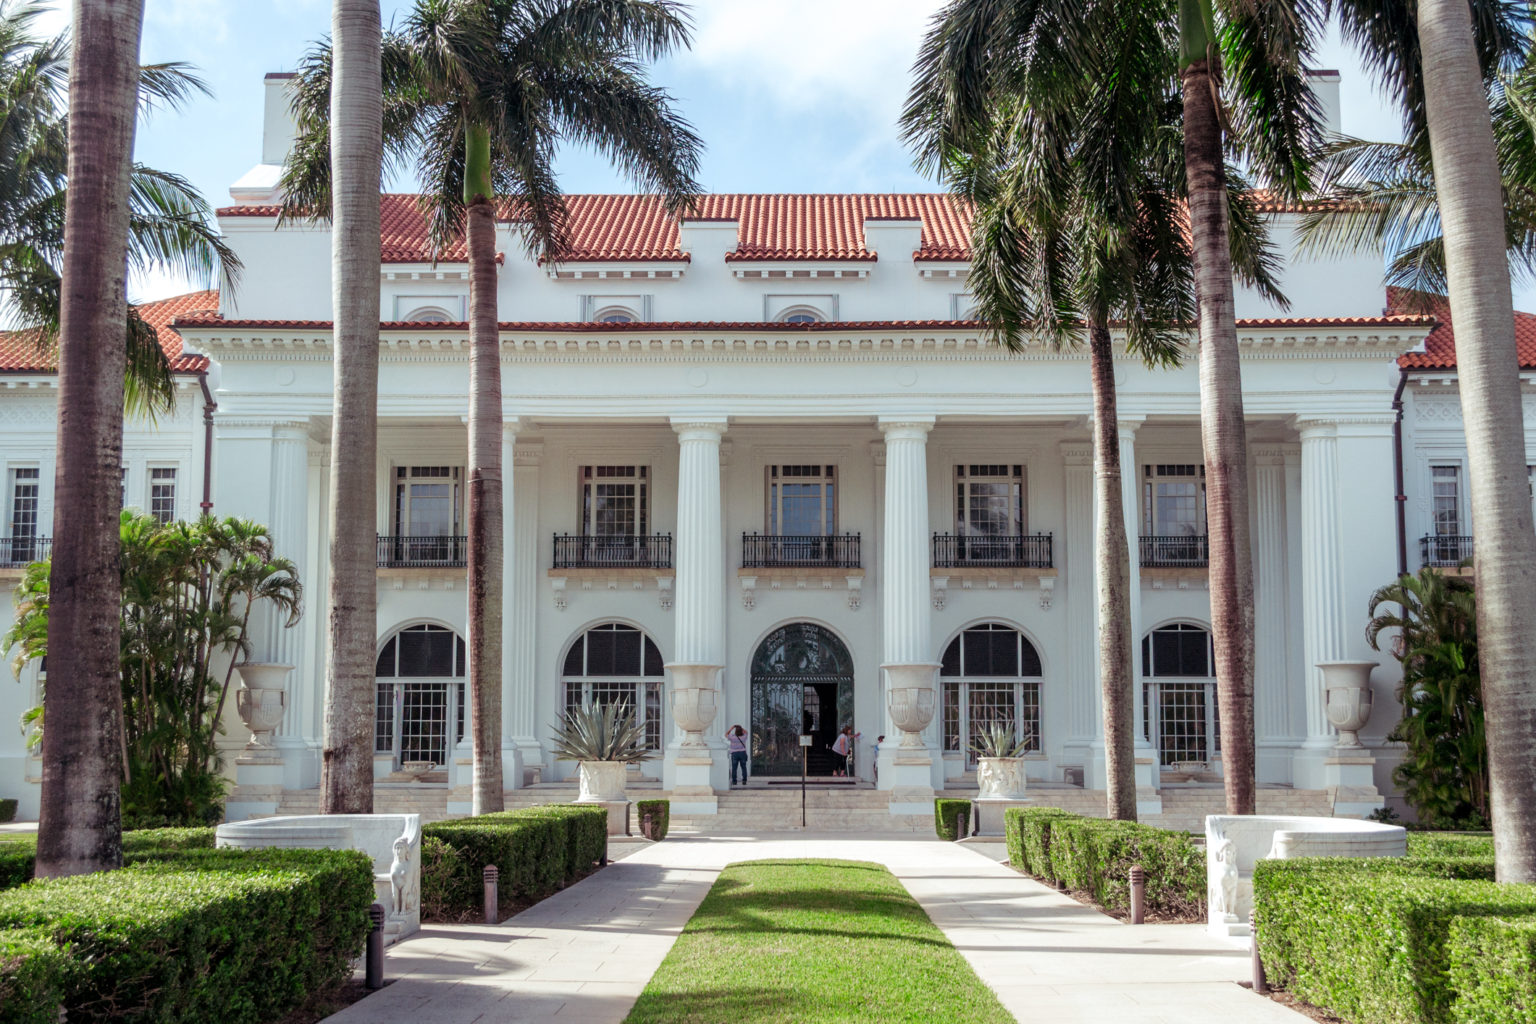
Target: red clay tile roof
594 327
19 352
618 228
789 227
1440 347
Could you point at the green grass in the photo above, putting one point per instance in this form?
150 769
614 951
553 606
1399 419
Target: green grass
813 940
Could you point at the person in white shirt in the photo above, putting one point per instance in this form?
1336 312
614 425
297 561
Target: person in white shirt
736 740
844 746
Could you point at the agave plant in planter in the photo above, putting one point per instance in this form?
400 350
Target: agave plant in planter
605 741
999 769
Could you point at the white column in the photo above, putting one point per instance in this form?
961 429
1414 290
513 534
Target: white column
699 606
906 609
1323 636
1272 721
288 522
1147 774
1086 745
520 665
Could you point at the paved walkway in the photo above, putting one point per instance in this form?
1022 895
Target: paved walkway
585 954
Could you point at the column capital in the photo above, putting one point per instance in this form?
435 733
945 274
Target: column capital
1127 426
700 428
528 454
877 454
1270 454
1313 429
906 428
510 426
1077 453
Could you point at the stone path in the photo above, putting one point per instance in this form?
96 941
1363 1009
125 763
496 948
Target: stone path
585 954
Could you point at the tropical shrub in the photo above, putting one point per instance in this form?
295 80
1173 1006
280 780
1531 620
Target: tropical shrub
608 732
661 818
1094 857
227 935
950 816
1370 939
188 594
1444 775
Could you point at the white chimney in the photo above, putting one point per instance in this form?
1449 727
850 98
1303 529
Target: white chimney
258 186
1325 86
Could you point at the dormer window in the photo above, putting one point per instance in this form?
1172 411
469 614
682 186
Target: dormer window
429 309
802 315
615 315
428 315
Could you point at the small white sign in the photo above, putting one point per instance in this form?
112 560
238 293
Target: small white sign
805 739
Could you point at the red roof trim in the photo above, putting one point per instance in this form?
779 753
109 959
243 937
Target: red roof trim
19 353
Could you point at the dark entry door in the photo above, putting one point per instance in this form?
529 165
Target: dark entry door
802 682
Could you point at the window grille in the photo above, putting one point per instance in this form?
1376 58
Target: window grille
162 493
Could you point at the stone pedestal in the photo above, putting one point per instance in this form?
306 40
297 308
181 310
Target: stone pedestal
1148 799
1349 776
987 815
910 700
618 815
258 786
688 767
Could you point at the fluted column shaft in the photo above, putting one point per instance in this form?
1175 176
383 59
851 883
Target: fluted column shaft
699 604
1082 648
1269 555
905 602
1130 502
287 521
520 469
1322 587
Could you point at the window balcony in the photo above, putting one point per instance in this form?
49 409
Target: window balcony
1444 551
768 551
19 552
423 552
1185 551
613 551
961 551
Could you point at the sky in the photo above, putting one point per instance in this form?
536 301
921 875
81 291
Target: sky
788 95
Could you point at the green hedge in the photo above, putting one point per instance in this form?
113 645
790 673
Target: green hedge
1493 970
228 935
1028 830
661 817
947 816
536 850
7 809
18 853
32 973
1367 939
1094 857
1450 844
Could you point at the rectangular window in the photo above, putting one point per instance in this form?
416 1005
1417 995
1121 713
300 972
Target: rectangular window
989 501
25 487
1182 722
606 693
615 501
162 493
1173 500
1445 482
802 501
428 511
971 706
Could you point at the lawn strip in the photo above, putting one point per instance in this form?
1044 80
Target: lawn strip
813 940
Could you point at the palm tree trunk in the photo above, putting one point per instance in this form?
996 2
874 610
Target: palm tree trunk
1472 218
81 827
346 773
485 511
1111 574
1223 438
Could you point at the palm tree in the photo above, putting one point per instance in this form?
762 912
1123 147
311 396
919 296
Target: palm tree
1079 219
169 224
479 93
81 827
979 49
1477 274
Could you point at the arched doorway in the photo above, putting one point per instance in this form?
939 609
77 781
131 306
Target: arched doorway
420 708
802 683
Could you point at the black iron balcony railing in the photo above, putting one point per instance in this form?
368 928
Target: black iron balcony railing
615 551
423 552
766 551
15 551
1186 551
1444 552
957 551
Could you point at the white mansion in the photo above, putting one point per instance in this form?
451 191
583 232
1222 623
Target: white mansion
761 454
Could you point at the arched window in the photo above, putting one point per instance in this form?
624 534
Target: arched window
420 710
616 664
428 315
802 315
615 315
1179 684
990 675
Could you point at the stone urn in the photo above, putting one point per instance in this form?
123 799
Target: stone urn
1347 686
1001 778
417 769
693 700
261 700
601 781
910 697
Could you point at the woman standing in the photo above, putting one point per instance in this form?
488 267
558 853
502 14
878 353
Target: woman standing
736 739
843 746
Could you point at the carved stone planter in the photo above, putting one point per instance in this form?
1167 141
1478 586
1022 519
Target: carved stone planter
910 696
1348 698
261 700
1001 778
600 781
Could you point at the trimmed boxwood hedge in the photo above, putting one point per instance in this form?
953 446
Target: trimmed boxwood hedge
947 816
1028 830
661 817
1367 939
536 850
1450 844
1493 970
229 935
18 853
7 809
